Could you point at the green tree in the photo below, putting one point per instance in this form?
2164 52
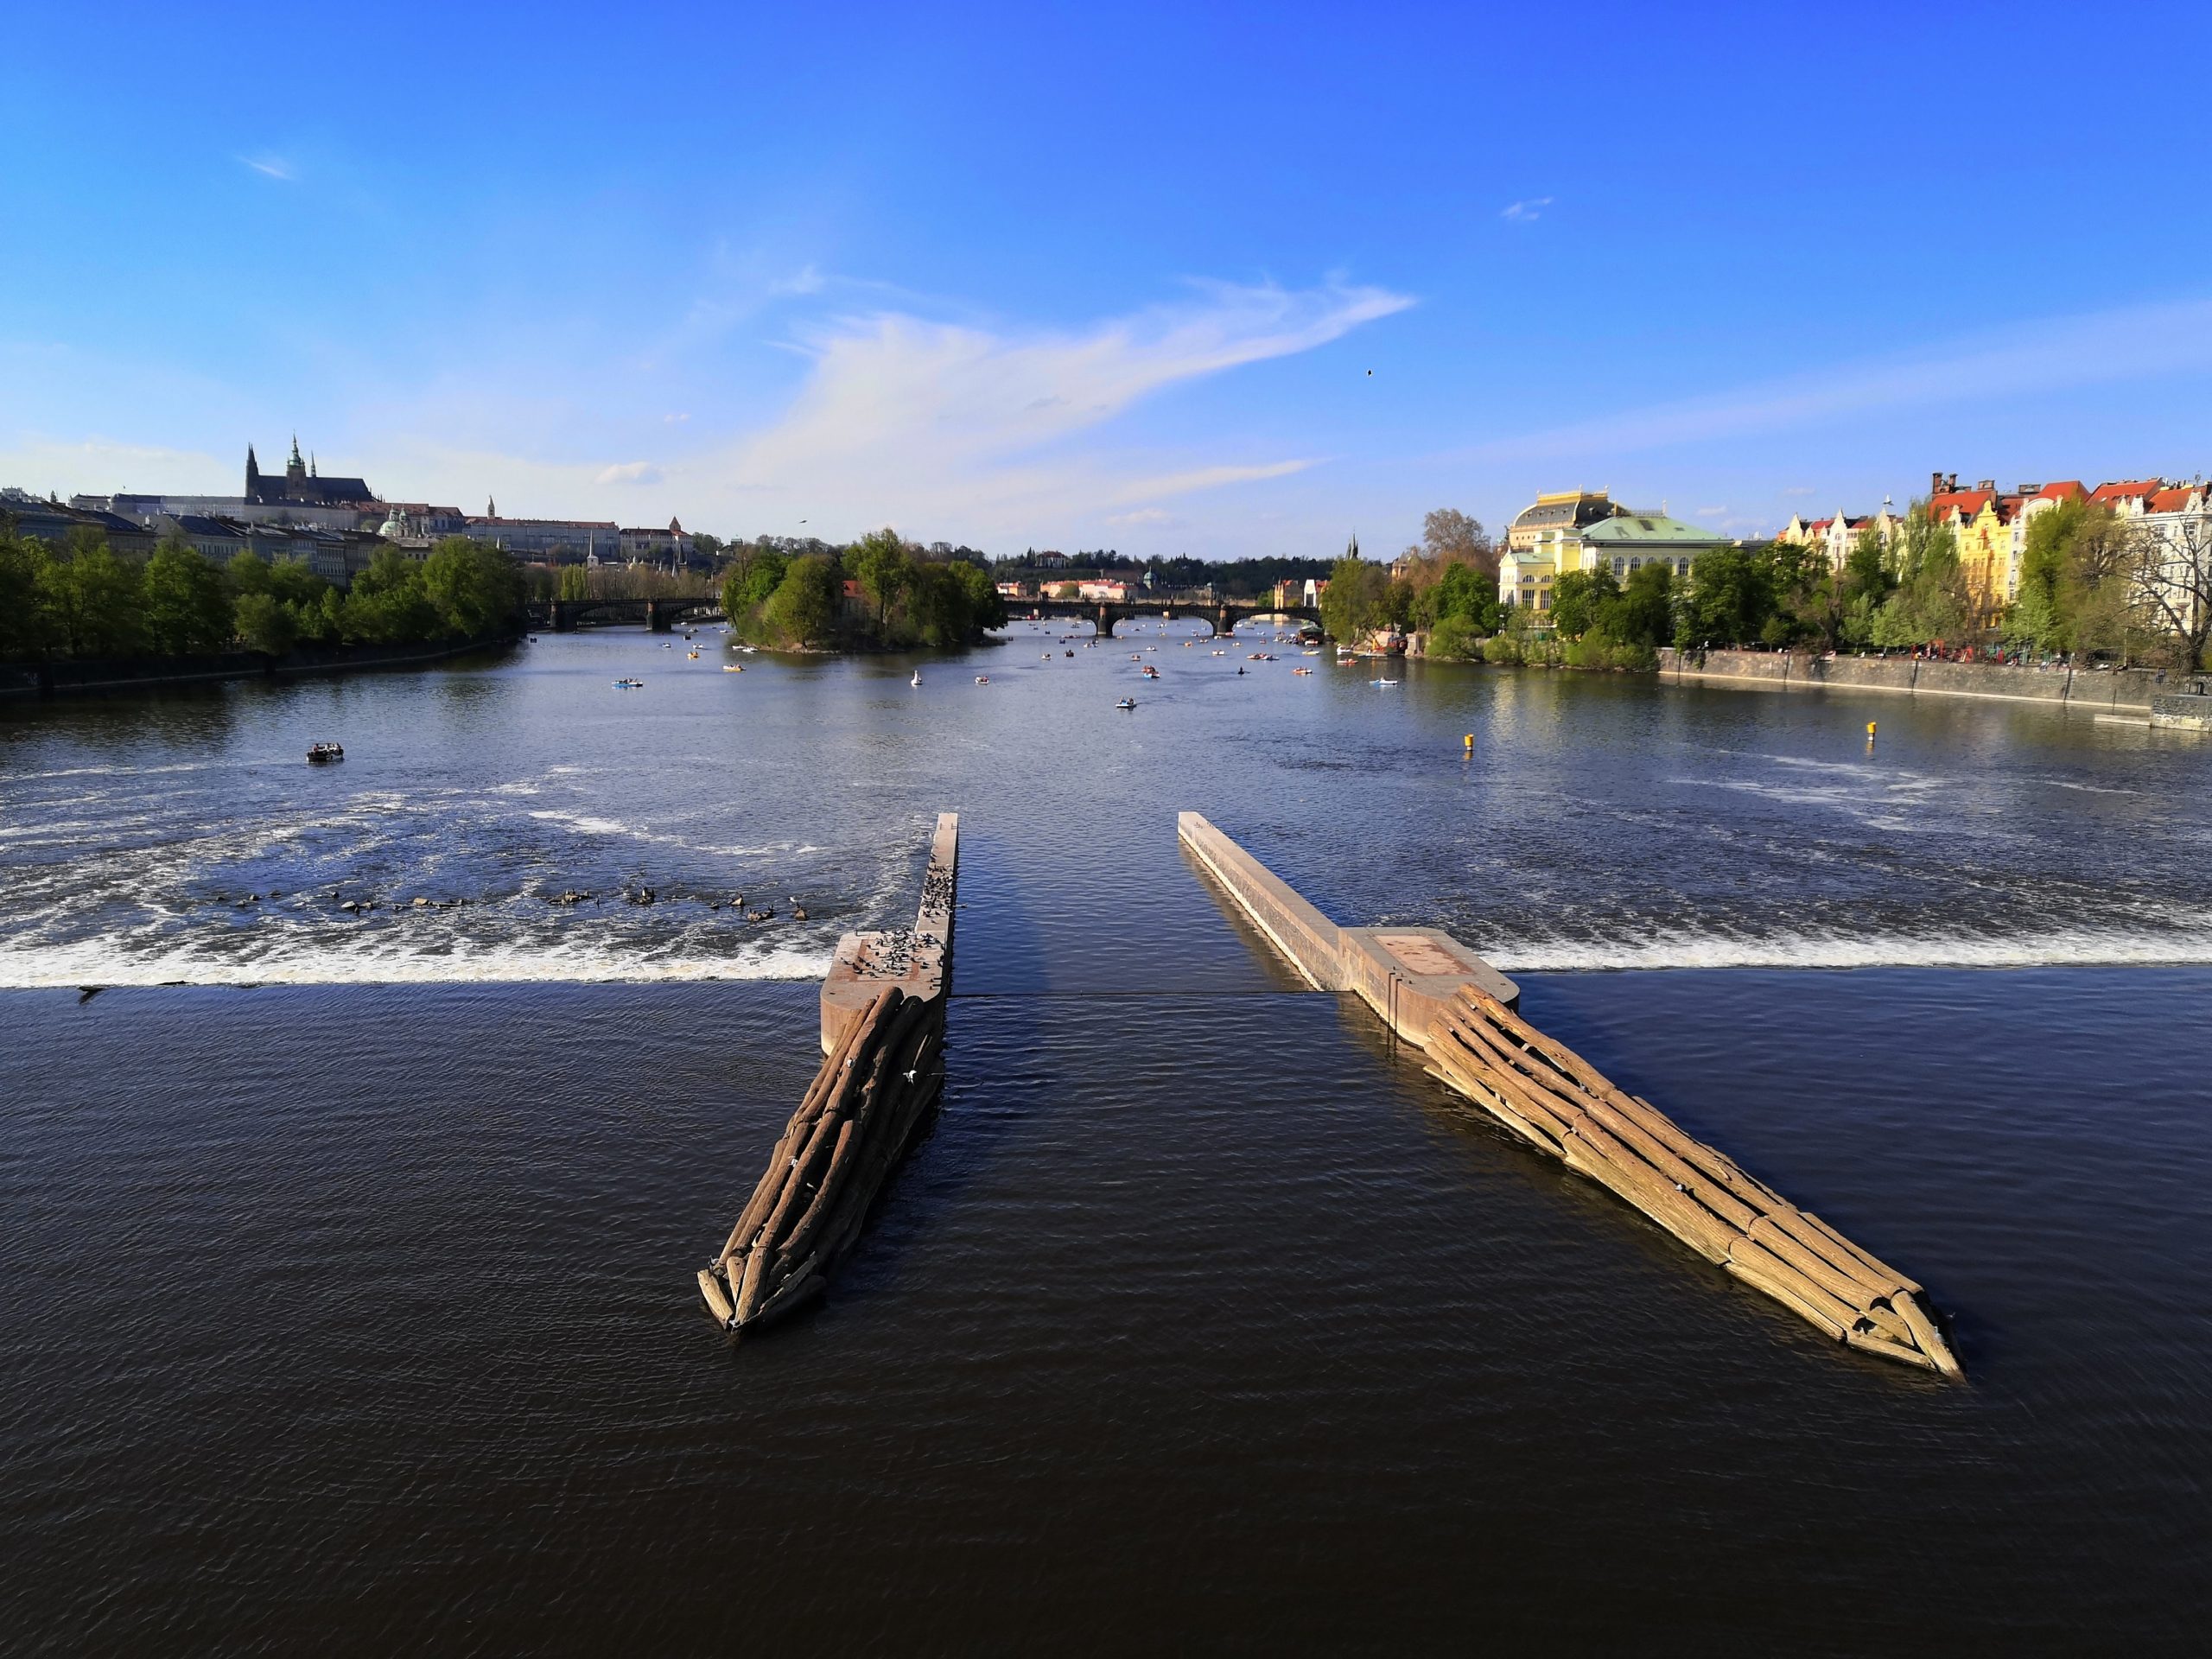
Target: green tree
1731 597
94 596
473 588
1579 599
2040 617
29 626
247 573
185 602
1356 601
804 609
266 623
881 563
1643 616
388 606
1454 636
2097 593
573 582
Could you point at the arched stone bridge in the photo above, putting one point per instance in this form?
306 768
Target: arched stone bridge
1222 615
566 615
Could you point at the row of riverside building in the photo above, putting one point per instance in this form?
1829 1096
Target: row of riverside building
332 525
1585 530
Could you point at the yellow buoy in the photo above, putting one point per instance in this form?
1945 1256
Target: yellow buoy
1469 743
1870 728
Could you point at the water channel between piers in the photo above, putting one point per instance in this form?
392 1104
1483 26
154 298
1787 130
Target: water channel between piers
1203 1317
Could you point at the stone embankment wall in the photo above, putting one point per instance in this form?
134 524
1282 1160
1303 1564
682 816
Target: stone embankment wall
1783 671
70 676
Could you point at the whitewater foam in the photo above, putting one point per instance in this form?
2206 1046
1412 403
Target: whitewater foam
106 963
2067 948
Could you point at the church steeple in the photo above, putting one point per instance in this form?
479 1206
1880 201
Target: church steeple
490 508
252 475
295 469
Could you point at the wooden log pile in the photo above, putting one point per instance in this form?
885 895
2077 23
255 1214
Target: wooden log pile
866 1103
1557 1101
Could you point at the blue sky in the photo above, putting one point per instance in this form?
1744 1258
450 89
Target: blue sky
1015 276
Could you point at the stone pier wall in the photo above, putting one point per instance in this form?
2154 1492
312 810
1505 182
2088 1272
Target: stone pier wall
1782 670
1407 975
917 960
69 677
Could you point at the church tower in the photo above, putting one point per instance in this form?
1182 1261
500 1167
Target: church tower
296 470
252 475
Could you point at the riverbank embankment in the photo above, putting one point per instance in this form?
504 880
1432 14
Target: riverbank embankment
2100 690
69 677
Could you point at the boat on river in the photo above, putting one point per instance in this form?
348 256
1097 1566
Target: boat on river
323 753
1127 702
629 685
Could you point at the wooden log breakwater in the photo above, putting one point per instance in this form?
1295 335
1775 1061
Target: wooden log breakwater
1562 1104
1439 994
883 1028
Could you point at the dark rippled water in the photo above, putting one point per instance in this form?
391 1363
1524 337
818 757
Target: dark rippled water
353 1310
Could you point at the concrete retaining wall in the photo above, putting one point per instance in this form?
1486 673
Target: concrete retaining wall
1802 671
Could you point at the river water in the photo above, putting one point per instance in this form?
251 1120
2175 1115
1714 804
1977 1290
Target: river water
351 1305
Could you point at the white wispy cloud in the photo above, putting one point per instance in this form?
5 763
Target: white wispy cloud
271 167
1153 516
1711 512
628 472
1521 212
903 417
2141 343
1797 489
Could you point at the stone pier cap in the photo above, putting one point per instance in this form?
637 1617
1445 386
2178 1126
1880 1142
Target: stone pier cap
918 961
1406 974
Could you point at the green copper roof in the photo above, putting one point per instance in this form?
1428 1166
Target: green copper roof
1649 530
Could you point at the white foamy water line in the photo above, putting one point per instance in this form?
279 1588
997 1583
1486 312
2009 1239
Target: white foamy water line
102 963
2067 948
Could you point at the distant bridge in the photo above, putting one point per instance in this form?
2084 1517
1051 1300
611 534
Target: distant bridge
661 615
1221 614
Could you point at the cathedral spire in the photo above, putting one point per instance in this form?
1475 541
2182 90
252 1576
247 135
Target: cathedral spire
490 508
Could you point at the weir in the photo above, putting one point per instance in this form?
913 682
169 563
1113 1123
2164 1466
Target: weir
882 1039
1433 991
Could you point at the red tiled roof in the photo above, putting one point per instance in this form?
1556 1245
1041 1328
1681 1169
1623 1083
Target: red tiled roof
2066 489
2173 500
1966 503
2124 490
